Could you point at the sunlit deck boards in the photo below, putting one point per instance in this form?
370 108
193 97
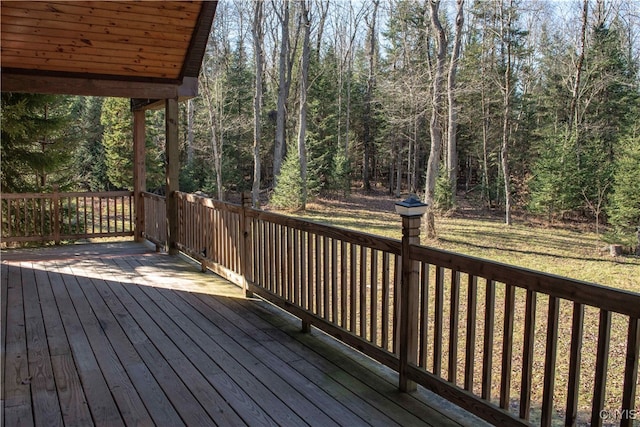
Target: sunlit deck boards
115 334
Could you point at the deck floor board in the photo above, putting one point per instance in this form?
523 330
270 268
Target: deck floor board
116 334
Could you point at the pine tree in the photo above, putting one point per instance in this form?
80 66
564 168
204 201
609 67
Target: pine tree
605 115
90 159
624 206
341 172
37 144
322 132
555 182
117 120
288 192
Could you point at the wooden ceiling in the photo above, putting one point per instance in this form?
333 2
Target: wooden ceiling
136 49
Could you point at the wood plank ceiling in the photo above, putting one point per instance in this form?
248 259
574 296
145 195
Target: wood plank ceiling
135 49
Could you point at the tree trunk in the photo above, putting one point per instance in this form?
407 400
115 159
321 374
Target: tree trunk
368 99
302 119
573 109
398 153
435 126
216 145
258 37
284 83
486 194
506 116
413 154
217 140
324 10
615 250
452 157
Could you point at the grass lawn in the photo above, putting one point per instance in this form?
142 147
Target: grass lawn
563 250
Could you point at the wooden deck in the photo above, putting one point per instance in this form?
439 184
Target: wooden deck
116 334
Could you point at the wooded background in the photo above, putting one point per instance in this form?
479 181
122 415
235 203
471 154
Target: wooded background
528 105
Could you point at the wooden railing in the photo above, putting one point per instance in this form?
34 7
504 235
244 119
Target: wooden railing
209 231
508 341
511 345
42 217
154 227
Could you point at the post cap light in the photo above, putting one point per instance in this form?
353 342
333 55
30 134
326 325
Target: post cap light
411 206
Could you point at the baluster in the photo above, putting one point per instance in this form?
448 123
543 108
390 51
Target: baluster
363 292
438 321
290 264
507 346
373 296
469 363
325 278
550 361
343 283
296 267
318 275
487 353
424 314
108 214
631 371
385 300
453 327
396 304
527 354
352 284
334 281
602 359
305 270
574 364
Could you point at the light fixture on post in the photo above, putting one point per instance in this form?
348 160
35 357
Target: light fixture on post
412 206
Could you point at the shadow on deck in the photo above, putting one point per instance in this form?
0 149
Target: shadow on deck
116 334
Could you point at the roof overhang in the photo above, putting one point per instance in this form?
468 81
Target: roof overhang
148 50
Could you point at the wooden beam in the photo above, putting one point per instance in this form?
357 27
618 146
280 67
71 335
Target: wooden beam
187 90
88 86
139 171
172 172
199 38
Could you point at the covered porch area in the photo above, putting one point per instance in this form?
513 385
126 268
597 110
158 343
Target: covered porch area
118 334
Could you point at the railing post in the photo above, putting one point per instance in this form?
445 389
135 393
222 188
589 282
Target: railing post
245 244
411 211
56 214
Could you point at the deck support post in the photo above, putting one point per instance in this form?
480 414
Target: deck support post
139 172
172 156
411 211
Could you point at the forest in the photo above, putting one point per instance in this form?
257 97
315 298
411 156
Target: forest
512 105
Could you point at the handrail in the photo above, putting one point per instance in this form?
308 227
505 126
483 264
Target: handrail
104 194
356 237
451 329
603 297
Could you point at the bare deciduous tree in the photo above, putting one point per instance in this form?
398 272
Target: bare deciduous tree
284 83
452 157
368 120
258 40
304 78
435 125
